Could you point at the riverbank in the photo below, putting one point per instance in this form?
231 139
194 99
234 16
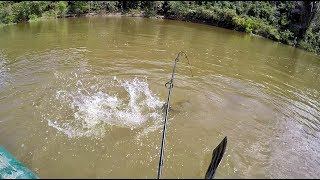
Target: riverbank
141 14
292 23
119 14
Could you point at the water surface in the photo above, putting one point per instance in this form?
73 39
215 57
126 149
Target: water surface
82 98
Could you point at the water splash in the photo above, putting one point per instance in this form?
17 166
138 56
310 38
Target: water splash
93 111
8 171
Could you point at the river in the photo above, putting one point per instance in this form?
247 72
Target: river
83 97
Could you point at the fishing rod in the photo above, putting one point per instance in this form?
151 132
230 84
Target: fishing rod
217 152
167 105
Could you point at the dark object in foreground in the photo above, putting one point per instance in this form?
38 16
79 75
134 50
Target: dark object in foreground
216 158
11 168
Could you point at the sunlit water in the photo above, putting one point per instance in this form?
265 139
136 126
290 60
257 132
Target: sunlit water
83 98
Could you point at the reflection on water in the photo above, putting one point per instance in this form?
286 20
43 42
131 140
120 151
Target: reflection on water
86 93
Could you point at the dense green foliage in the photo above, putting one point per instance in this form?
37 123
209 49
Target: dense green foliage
291 22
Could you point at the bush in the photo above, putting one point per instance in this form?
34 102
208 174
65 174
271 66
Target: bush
78 7
37 7
311 41
226 17
149 12
104 6
287 37
178 9
62 8
149 8
21 11
111 6
52 13
256 26
6 15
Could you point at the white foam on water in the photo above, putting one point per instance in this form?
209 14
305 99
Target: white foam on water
94 111
5 164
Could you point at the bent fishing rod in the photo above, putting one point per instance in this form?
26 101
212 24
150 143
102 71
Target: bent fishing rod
167 105
217 152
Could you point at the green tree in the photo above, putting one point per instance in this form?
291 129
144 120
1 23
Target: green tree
78 7
62 8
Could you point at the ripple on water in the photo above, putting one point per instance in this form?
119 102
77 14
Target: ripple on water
273 132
